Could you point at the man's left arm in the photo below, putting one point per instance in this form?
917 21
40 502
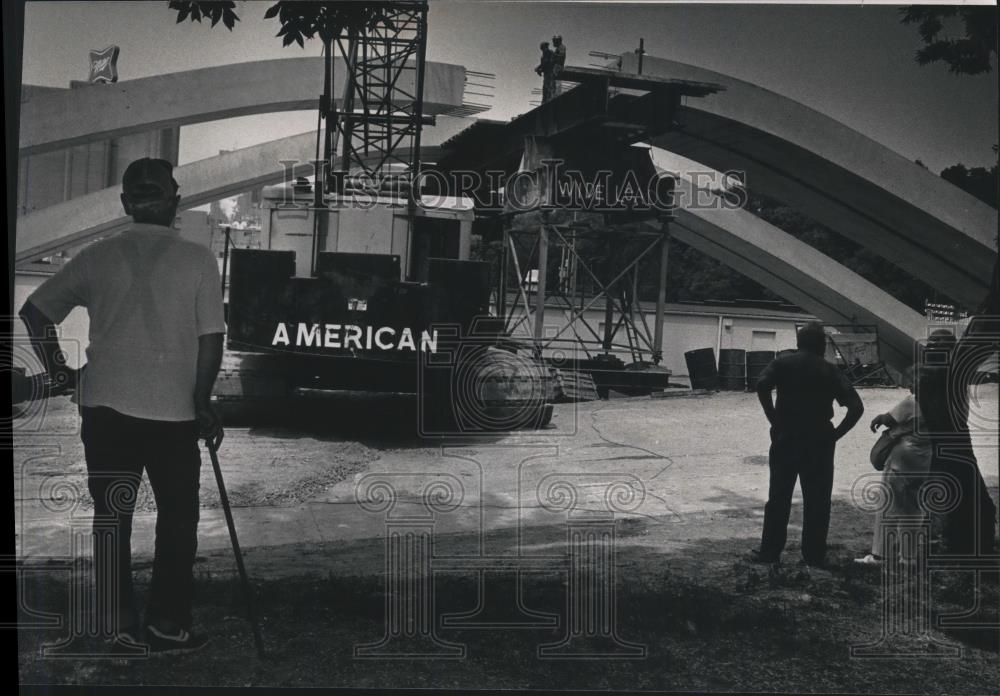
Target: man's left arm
765 385
847 396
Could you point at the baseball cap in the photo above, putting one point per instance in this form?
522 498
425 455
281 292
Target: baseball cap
149 179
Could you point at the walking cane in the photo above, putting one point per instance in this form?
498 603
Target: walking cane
251 614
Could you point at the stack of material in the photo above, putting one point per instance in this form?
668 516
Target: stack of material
574 386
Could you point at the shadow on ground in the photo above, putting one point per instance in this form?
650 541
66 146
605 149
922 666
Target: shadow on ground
703 618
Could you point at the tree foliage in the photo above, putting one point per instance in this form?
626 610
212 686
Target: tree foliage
216 11
328 20
978 181
970 54
299 20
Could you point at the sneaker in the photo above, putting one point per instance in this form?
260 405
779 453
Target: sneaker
869 560
176 642
127 644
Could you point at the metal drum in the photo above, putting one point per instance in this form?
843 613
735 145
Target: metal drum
701 368
757 360
732 369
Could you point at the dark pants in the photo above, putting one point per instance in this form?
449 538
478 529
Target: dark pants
808 458
118 448
548 87
970 527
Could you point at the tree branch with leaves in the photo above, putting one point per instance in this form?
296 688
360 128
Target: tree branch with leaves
972 52
216 11
299 20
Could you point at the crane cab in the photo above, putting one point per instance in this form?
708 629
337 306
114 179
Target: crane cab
365 280
439 228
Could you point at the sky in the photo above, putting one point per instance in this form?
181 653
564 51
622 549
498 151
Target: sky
854 63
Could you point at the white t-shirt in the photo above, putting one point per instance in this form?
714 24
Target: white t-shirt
149 295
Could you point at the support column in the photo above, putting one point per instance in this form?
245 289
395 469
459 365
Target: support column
502 280
609 320
609 303
543 260
661 296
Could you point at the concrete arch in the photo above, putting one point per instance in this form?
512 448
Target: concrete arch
68 117
98 214
839 177
795 270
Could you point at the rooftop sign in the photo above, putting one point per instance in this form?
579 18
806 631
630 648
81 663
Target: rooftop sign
104 65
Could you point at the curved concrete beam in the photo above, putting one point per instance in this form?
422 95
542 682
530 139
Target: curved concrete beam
796 271
100 213
69 117
837 176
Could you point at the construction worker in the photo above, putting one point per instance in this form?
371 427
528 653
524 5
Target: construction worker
544 69
803 439
558 61
156 340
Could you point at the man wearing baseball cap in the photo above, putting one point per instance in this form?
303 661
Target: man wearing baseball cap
155 346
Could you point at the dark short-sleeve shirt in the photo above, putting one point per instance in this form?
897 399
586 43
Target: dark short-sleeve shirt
807 386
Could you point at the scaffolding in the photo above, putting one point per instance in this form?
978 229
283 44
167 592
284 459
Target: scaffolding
383 46
379 129
609 279
594 130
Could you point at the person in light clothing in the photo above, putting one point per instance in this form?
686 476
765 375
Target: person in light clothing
156 340
906 468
